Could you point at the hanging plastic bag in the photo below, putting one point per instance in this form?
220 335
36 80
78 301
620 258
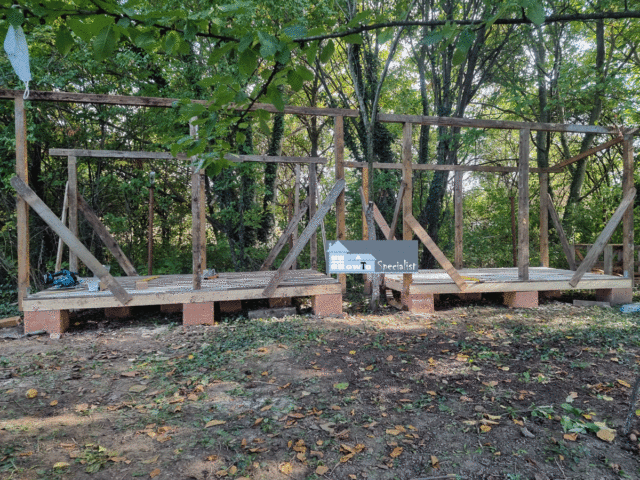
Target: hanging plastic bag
15 44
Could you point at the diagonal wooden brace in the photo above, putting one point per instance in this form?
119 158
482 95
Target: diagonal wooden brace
72 242
604 237
568 251
285 236
436 252
396 212
377 215
313 225
104 235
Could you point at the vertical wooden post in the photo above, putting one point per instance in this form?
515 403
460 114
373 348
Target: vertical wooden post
72 167
365 225
296 210
407 201
627 219
340 202
608 259
22 171
313 202
150 232
523 206
544 219
458 224
63 219
198 246
203 220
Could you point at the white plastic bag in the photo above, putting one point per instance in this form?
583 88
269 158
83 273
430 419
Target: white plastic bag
15 44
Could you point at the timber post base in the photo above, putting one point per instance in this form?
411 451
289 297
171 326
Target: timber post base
117 312
419 303
52 321
230 306
329 304
521 299
615 296
201 313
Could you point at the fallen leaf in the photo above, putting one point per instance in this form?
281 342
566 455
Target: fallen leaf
233 470
61 465
606 434
435 462
393 431
369 367
128 374
352 352
346 458
32 393
321 470
258 421
396 452
83 407
155 473
151 460
485 428
572 437
53 403
222 473
623 383
341 386
389 358
192 397
137 388
286 468
492 383
213 423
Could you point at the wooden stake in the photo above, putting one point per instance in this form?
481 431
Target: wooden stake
627 221
63 219
71 240
313 225
293 224
22 171
569 252
544 219
106 237
523 206
341 228
313 202
598 246
72 167
407 198
458 225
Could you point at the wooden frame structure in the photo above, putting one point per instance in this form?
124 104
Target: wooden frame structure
417 291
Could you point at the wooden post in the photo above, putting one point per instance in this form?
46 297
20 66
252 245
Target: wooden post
627 220
71 240
458 225
296 210
375 284
544 219
198 238
364 194
514 232
407 201
523 206
22 171
340 202
63 219
150 232
72 168
313 202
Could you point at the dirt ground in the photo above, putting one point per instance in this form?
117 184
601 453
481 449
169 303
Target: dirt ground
475 391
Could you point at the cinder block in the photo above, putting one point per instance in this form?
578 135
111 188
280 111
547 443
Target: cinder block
615 296
279 302
231 306
419 303
330 304
117 312
198 314
521 299
52 321
171 308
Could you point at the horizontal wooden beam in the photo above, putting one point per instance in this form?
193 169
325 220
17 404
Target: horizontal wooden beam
559 166
499 124
274 159
70 239
77 152
433 166
604 237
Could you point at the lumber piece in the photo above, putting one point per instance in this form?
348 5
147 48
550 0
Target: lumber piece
106 237
436 252
566 246
627 219
544 219
435 166
364 199
274 159
81 152
304 238
143 283
9 322
396 212
407 199
72 242
72 172
285 236
560 165
377 216
523 205
22 217
341 229
604 237
313 193
63 219
458 224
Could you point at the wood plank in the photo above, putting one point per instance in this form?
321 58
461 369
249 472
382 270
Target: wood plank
275 159
407 199
293 224
627 220
566 246
63 219
22 214
544 219
375 280
523 205
72 172
72 242
106 237
498 124
296 210
434 166
598 246
196 236
458 223
436 252
396 211
79 152
341 229
377 216
313 225
9 322
364 200
313 202
560 165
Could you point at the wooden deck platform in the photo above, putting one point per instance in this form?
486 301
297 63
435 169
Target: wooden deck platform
47 310
427 283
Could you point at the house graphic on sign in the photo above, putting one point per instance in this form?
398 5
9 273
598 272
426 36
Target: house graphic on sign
340 259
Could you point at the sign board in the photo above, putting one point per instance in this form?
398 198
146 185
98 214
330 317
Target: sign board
372 256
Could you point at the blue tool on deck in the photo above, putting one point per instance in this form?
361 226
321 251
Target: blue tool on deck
62 279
